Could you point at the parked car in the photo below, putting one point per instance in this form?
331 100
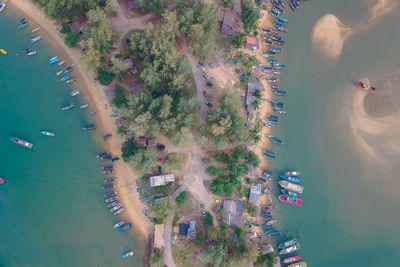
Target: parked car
159 169
205 76
209 104
209 84
202 64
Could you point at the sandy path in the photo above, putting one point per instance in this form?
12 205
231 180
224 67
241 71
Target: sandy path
125 185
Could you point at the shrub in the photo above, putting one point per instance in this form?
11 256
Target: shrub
239 231
71 39
212 235
249 16
228 3
129 148
104 77
65 28
120 101
239 39
215 171
252 159
208 219
182 198
222 157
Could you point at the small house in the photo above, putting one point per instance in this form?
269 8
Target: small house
183 229
252 43
255 193
160 180
191 233
129 64
141 141
233 212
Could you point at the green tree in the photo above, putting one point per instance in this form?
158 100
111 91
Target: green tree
238 39
157 260
65 28
267 260
72 38
228 3
119 68
92 57
120 100
252 210
70 9
223 227
105 77
239 231
99 29
143 160
208 219
239 169
182 198
160 211
155 6
222 157
215 255
215 171
252 159
249 16
174 161
212 235
129 148
238 153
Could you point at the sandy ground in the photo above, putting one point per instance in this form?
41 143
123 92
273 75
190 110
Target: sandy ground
126 178
329 34
381 8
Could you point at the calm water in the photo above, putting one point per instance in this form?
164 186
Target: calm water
52 210
350 214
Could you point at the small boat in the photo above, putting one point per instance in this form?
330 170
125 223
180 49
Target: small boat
291 259
291 186
63 79
23 25
108 187
71 80
273 139
273 233
292 173
53 60
290 249
298 264
278 66
273 117
69 69
21 142
290 193
112 199
282 29
75 92
288 243
268 156
107 167
113 204
23 20
125 227
117 207
90 126
119 211
292 179
2 6
47 133
294 5
4 52
2 181
118 224
110 180
280 112
100 155
284 19
279 92
59 73
92 113
280 42
269 152
106 137
272 79
114 159
137 186
270 207
127 254
276 72
107 157
272 61
365 86
27 50
35 30
289 200
61 63
268 42
67 107
110 194
271 222
84 106
32 53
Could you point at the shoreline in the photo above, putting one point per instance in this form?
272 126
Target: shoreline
94 92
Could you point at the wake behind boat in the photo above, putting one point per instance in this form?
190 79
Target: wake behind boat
21 142
47 133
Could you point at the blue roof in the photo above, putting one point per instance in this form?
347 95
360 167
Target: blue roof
183 228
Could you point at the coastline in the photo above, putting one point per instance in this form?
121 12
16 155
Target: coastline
125 186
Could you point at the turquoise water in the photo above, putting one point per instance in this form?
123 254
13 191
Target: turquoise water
350 214
52 210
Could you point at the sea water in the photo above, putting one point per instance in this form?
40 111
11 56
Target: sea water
350 212
52 209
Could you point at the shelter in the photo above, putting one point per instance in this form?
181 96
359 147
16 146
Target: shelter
158 236
252 43
160 180
233 212
230 23
255 193
141 141
191 233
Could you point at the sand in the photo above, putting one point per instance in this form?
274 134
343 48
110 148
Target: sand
329 35
95 92
380 8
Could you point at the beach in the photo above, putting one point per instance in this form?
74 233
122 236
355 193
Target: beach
95 92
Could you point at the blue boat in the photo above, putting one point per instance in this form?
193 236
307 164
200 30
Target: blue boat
268 156
90 126
66 77
290 193
53 60
114 159
274 139
69 69
276 50
292 179
284 19
273 117
125 227
279 92
107 136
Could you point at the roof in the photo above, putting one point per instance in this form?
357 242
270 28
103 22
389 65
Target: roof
161 179
169 178
158 236
183 228
141 141
76 26
128 63
110 92
267 249
255 193
192 225
151 141
233 212
230 23
251 40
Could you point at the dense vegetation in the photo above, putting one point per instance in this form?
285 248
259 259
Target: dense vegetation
70 9
249 15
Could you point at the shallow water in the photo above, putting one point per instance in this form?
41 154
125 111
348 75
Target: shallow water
350 214
52 210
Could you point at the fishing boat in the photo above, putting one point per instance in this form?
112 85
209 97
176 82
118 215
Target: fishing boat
273 117
21 142
279 92
365 86
111 199
61 63
23 25
292 173
59 73
47 133
115 208
127 254
108 187
71 80
269 152
26 50
92 113
35 30
114 159
298 264
107 167
90 126
67 107
110 194
291 259
280 112
290 193
32 53
292 179
270 207
273 233
110 180
84 106
69 69
278 66
3 6
107 136
101 155
282 29
273 139
272 61
271 222
289 200
24 20
113 204
119 211
291 186
107 157
268 156
290 249
4 52
118 224
284 19
53 60
36 38
63 79
280 42
125 227
272 79
2 181
275 49
268 42
288 243
75 92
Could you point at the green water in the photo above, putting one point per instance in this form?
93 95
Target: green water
52 210
350 214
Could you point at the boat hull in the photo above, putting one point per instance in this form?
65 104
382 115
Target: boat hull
288 200
21 142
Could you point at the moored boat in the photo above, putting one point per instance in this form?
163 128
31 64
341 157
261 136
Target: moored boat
365 86
100 155
61 63
36 29
290 200
59 73
90 126
53 60
292 173
2 181
23 25
2 6
32 53
4 52
271 222
279 92
69 69
291 259
290 193
110 194
287 243
71 80
36 38
84 106
291 186
268 156
47 133
118 224
125 227
274 139
75 92
113 204
67 107
92 113
117 207
289 249
298 264
114 159
270 207
110 180
63 79
128 254
292 179
21 142
119 211
112 199
108 187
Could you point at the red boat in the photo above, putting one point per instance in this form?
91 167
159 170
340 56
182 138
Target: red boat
21 142
365 87
2 181
290 200
292 259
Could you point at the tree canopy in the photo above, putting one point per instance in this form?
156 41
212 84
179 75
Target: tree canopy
69 9
72 38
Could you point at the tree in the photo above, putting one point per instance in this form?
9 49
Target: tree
267 260
228 3
70 9
160 211
223 227
99 29
182 198
252 210
105 77
91 56
215 171
120 100
215 255
252 159
157 260
222 157
143 160
174 161
249 16
238 153
155 6
72 38
239 169
239 231
119 68
65 28
129 148
238 39
212 235
208 219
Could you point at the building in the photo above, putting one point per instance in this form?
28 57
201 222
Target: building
141 141
129 64
158 236
191 233
267 249
183 229
252 43
160 180
151 142
255 193
252 87
233 212
230 23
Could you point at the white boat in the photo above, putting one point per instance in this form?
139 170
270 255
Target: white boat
84 106
75 92
59 73
291 186
32 53
61 63
128 254
3 6
35 30
35 39
292 173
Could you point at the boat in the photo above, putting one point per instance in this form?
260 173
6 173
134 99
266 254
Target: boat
105 167
291 186
53 60
127 254
4 52
110 194
59 73
271 222
108 187
273 117
47 133
2 6
268 156
64 78
290 193
278 66
269 152
288 243
290 200
110 180
270 207
273 233
27 50
2 181
365 86
107 136
23 25
117 207
272 79
100 155
24 20
36 38
292 179
291 259
36 29
32 53
71 80
107 157
119 211
275 49
274 139
61 63
67 107
92 113
113 204
289 249
298 264
75 92
90 126
125 227
69 69
284 19
279 93
112 199
114 159
292 173
21 142
118 224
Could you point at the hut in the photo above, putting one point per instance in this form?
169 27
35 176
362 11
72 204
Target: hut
252 43
255 193
233 212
